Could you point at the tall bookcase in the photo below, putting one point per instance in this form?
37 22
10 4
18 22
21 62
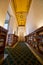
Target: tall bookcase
3 35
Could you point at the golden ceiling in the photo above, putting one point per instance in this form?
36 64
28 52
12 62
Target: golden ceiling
21 8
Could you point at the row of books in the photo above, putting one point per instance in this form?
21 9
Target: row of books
12 39
35 39
3 35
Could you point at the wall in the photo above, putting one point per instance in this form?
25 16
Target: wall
35 16
12 26
13 22
3 9
21 33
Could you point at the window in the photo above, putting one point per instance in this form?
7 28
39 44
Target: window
6 24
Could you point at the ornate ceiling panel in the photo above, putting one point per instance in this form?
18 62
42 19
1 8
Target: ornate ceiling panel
21 5
21 8
21 18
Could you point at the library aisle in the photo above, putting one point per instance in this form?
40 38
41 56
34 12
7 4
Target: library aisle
20 55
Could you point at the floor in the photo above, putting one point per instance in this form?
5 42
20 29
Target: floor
20 55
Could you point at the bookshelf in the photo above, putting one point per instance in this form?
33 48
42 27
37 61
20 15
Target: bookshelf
3 35
12 39
35 39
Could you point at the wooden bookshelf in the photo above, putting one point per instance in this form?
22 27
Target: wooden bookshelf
35 39
12 39
3 35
